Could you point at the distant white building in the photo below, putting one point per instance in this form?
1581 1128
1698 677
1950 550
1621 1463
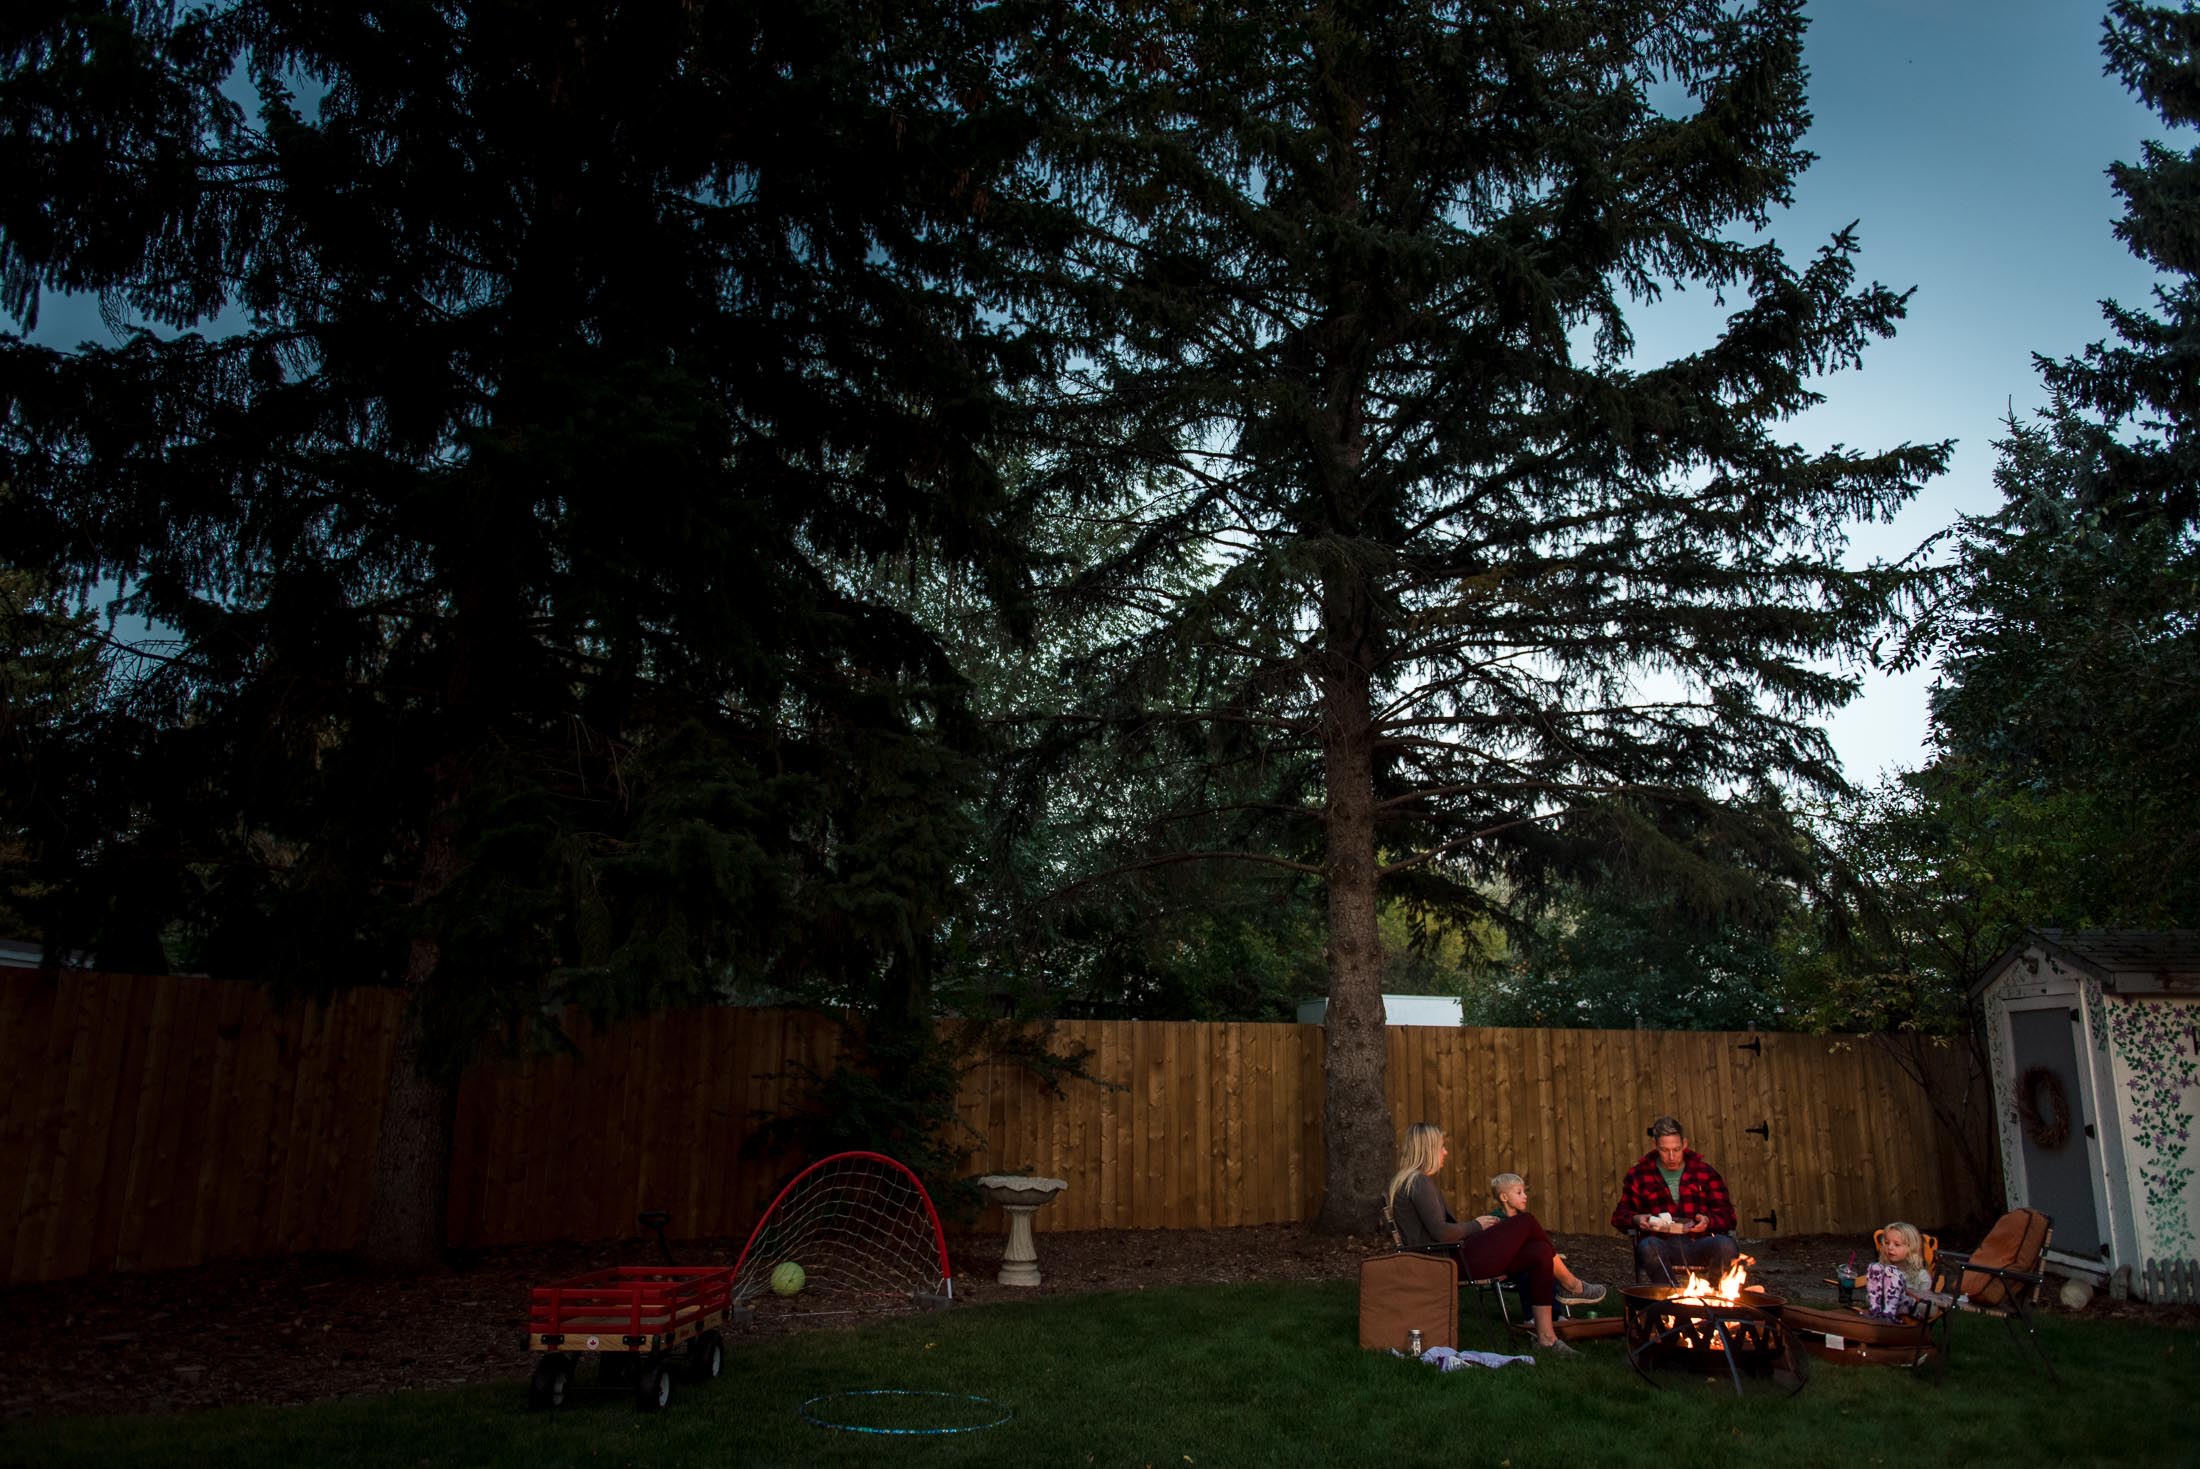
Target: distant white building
1400 1010
24 954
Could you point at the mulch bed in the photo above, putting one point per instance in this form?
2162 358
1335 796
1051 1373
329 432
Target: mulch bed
293 1330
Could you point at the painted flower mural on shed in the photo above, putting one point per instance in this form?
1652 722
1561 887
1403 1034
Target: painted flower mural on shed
2159 1045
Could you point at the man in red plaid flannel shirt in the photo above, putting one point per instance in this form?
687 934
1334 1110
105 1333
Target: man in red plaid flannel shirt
1675 1205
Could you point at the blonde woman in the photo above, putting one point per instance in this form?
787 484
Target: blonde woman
1484 1246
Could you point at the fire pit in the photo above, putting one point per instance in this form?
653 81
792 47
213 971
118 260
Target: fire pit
1704 1328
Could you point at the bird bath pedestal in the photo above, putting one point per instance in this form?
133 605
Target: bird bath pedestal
1021 1197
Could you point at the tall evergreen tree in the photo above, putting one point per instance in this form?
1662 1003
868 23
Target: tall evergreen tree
1492 600
2139 393
2063 790
502 398
2069 630
2069 681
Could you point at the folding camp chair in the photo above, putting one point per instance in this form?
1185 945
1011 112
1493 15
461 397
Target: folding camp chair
1497 1287
1999 1277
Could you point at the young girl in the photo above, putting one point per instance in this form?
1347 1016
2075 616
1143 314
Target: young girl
1898 1275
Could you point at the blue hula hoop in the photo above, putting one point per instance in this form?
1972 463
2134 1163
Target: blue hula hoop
901 1392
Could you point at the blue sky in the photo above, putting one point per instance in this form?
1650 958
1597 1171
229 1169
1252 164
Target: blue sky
1970 140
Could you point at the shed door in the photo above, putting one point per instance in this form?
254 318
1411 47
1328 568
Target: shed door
2058 1180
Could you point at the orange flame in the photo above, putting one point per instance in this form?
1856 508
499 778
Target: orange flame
1728 1290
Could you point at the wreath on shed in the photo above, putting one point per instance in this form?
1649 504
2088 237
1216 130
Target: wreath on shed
2048 1126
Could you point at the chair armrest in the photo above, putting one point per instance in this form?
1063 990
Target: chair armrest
1950 1263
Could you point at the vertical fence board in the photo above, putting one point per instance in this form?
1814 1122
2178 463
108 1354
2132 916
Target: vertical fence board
100 1189
47 1082
26 1009
259 1047
140 1173
307 1093
216 1165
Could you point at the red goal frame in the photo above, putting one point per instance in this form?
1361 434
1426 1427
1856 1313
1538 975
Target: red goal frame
932 1213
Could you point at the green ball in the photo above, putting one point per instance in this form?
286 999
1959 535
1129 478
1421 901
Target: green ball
787 1278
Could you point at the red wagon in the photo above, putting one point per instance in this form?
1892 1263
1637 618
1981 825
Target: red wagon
633 1319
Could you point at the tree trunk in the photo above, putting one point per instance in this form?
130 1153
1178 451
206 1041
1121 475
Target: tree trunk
1356 1131
412 1161
412 1166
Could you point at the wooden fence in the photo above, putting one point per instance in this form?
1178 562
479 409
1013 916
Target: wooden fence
155 1122
152 1121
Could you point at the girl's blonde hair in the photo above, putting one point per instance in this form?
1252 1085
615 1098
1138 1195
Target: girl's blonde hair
1504 1181
1417 1152
1910 1237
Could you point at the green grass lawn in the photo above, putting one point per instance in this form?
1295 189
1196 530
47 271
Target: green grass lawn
1226 1375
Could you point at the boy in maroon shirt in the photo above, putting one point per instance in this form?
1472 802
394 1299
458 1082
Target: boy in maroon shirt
1673 1182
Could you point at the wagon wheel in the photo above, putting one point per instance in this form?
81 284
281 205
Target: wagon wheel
653 1389
706 1357
553 1377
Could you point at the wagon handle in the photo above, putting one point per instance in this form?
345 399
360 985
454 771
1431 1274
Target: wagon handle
656 1220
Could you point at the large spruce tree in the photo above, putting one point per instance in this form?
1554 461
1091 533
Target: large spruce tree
2069 628
2138 393
1492 598
501 395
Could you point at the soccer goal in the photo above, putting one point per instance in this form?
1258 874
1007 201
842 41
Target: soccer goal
861 1233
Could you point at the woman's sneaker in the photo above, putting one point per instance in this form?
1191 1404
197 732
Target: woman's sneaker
1558 1348
1587 1295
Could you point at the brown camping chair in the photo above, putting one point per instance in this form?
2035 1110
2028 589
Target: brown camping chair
2000 1276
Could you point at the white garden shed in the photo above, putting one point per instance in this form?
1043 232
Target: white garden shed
2094 1037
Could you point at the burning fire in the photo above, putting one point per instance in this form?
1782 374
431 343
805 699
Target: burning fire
1699 1291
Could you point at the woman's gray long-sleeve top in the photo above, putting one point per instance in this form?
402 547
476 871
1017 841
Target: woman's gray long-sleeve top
1423 1221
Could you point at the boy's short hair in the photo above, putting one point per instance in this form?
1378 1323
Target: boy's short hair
1504 1181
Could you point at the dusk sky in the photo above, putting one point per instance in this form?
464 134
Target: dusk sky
1970 139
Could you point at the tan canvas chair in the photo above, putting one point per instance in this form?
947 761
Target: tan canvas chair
2000 1276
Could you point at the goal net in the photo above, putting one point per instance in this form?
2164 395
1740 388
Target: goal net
863 1232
